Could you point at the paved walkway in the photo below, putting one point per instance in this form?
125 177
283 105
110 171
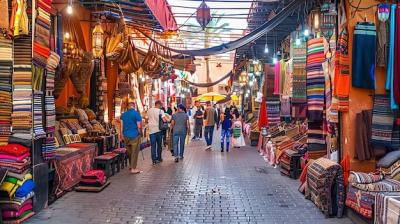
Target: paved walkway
207 187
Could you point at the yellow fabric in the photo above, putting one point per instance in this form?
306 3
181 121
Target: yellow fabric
27 176
10 188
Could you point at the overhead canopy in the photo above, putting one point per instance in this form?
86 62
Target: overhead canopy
249 38
163 13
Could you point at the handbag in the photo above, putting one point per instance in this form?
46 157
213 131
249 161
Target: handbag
162 125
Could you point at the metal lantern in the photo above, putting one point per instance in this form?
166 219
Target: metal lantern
203 14
243 78
97 41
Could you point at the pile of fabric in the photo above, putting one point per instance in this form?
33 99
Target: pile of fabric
16 191
315 90
363 191
5 89
273 110
290 164
93 180
325 186
38 115
387 208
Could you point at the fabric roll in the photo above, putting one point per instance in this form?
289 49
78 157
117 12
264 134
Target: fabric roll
390 63
364 150
364 50
277 81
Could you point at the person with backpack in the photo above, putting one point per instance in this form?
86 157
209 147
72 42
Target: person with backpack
131 132
156 118
226 127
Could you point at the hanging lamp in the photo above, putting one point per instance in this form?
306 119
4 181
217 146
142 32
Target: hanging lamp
203 14
97 41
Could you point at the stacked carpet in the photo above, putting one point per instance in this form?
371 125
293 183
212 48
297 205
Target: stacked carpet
326 186
49 146
387 208
5 89
382 121
360 201
38 115
93 181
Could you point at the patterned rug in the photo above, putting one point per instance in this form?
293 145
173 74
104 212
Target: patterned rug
382 121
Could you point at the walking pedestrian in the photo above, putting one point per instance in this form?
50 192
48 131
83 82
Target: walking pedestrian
181 127
131 131
237 136
155 116
226 127
209 123
198 123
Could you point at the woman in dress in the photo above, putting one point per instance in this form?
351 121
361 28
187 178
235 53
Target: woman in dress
237 137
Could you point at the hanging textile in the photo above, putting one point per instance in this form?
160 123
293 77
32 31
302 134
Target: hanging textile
364 150
382 121
4 23
273 111
282 75
396 72
315 79
263 117
299 89
342 74
19 22
390 66
277 81
364 50
287 86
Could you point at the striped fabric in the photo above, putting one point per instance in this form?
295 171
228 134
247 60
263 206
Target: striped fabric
323 174
342 73
315 79
299 74
387 208
364 49
364 178
384 185
382 121
273 111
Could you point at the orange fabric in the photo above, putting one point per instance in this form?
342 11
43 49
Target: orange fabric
112 74
346 169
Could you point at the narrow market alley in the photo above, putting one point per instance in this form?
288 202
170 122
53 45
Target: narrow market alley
206 187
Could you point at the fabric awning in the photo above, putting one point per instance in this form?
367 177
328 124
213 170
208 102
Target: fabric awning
163 13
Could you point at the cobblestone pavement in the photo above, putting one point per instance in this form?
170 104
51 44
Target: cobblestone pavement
206 187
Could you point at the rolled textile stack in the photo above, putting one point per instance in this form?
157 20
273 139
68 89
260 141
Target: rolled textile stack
93 181
16 192
38 115
273 110
5 89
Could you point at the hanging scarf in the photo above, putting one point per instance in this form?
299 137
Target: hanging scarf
396 74
342 77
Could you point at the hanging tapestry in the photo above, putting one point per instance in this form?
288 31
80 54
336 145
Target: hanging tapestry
342 73
382 121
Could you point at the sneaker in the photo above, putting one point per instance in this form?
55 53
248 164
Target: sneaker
181 158
222 150
154 163
176 160
208 147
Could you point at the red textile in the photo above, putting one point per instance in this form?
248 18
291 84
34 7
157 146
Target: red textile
263 119
346 169
396 73
94 174
163 13
13 149
13 214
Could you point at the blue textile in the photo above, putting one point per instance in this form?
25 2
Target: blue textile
179 149
156 148
390 66
25 189
364 56
208 134
130 119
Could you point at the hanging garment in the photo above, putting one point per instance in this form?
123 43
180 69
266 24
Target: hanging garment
277 81
4 23
299 74
282 74
342 74
390 63
364 55
382 45
396 72
287 85
363 151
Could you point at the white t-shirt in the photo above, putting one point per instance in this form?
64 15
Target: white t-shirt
153 115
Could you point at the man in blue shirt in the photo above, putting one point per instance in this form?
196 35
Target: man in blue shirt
131 127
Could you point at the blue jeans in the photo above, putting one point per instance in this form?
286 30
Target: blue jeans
225 134
208 134
179 148
156 148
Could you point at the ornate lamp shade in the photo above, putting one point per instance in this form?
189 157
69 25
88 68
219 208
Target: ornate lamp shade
97 41
203 15
243 78
383 12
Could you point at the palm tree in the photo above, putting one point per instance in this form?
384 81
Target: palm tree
211 33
